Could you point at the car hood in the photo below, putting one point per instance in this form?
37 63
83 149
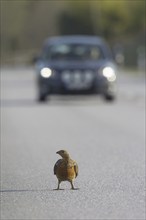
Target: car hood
61 65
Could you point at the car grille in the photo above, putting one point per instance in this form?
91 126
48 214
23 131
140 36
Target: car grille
77 79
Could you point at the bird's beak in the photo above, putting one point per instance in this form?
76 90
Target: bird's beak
57 152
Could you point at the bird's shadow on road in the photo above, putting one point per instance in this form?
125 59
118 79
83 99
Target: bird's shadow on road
24 190
33 190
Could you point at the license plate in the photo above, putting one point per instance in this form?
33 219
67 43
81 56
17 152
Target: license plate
77 80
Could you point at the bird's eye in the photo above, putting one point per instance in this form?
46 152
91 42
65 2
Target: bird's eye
63 151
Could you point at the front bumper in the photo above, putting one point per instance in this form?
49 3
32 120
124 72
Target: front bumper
75 82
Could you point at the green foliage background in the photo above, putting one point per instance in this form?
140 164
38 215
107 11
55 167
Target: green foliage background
26 23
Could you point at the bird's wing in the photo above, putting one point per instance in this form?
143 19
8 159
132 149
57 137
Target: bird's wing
76 168
56 165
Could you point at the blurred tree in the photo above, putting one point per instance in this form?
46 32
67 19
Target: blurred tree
26 23
41 22
109 18
12 22
76 19
136 19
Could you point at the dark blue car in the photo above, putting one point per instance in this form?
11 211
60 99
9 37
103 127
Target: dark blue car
75 64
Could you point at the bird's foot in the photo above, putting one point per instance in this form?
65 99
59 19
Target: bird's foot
58 189
74 188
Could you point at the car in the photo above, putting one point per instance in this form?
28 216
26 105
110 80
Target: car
75 64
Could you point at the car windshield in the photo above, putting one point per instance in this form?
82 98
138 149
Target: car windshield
73 52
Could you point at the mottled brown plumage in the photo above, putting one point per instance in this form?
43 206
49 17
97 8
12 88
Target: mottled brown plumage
65 169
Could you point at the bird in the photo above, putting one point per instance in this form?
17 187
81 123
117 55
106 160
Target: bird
65 169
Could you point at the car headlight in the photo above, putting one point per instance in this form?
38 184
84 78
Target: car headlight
46 72
109 73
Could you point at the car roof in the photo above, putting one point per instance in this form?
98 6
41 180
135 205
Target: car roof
74 39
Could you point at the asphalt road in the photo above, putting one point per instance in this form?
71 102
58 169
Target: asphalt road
107 140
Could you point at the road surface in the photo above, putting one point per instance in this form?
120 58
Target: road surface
106 139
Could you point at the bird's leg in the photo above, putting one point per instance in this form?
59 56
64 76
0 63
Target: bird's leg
58 184
72 186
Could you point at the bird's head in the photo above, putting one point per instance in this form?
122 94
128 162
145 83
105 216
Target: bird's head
63 153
